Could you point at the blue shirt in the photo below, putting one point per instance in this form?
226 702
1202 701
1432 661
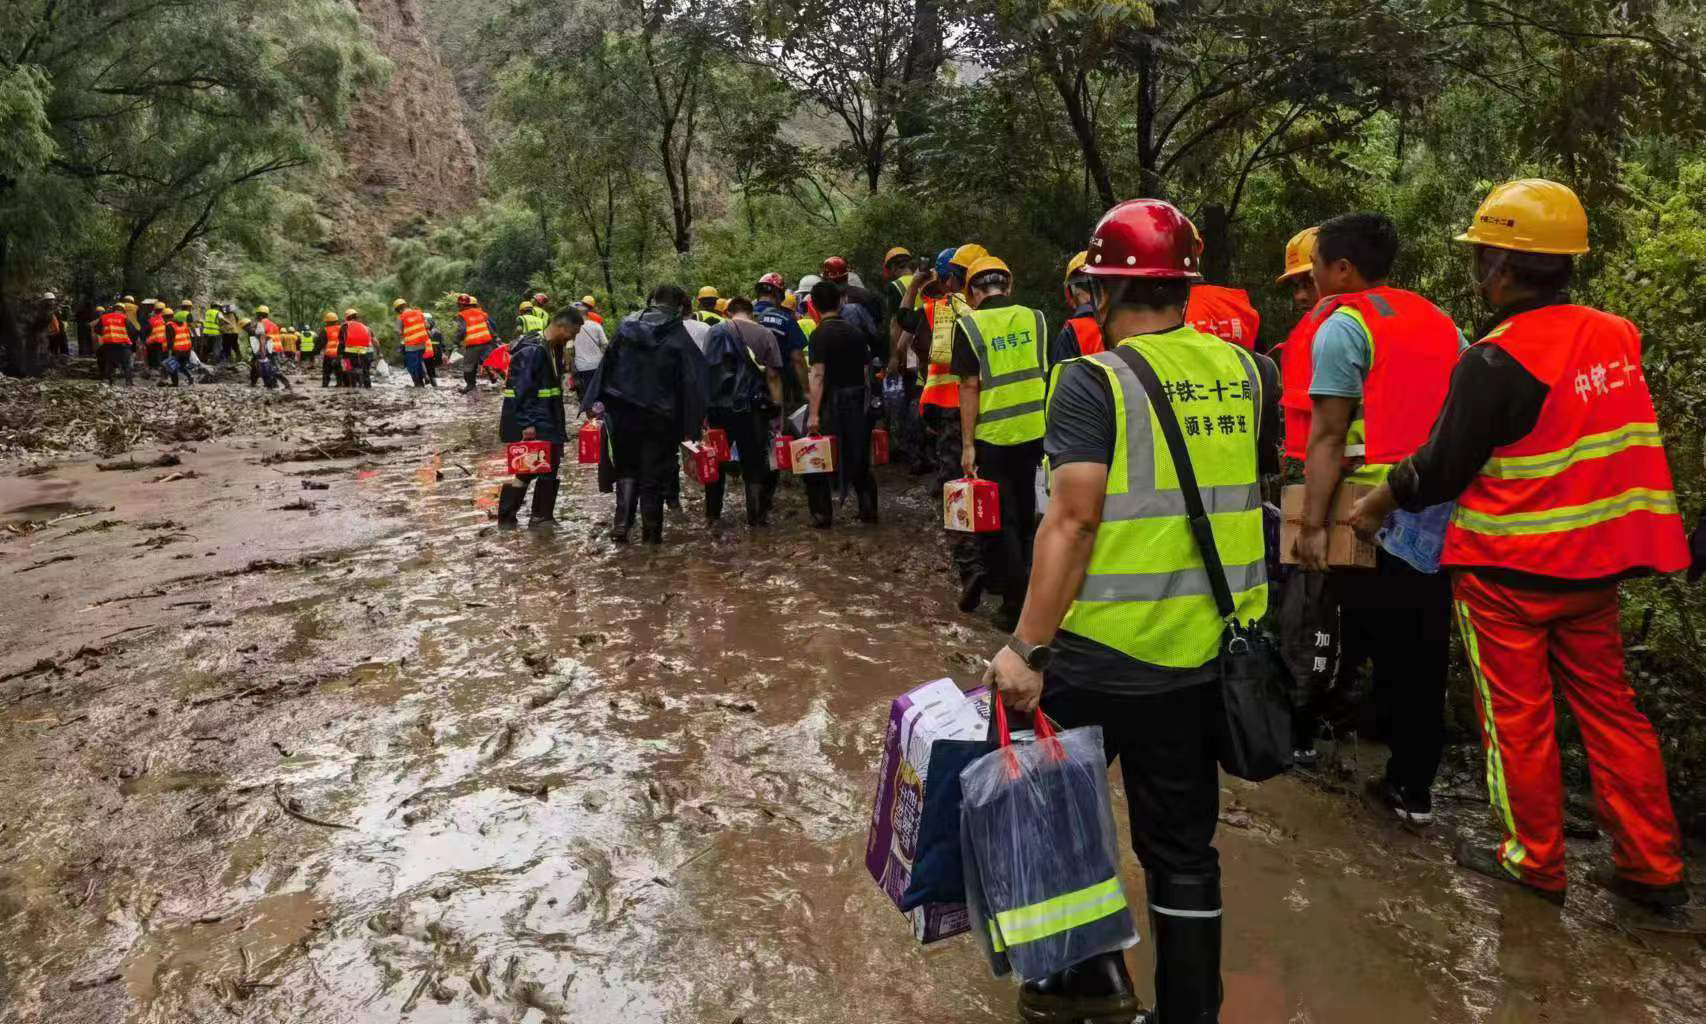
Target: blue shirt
781 323
1340 356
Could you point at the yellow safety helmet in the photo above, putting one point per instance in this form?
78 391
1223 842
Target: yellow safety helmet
352 314
244 323
525 307
150 303
966 255
186 304
985 265
896 253
159 306
129 300
263 311
708 292
723 306
330 316
589 302
1299 254
1531 215
1076 263
398 304
790 301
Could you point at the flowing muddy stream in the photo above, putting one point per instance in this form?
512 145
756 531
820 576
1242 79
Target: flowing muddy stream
376 760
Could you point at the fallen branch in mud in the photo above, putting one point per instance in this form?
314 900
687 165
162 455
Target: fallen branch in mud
88 983
43 665
47 562
285 806
163 462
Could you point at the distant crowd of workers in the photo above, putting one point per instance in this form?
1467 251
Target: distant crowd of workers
1511 484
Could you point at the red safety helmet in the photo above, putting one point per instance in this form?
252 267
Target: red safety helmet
464 299
835 268
540 298
773 280
1144 238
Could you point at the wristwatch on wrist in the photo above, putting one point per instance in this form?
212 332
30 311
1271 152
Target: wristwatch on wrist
1035 656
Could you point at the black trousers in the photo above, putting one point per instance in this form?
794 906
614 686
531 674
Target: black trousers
362 374
544 486
644 448
846 414
748 431
942 426
1007 555
1400 619
1166 745
331 369
115 359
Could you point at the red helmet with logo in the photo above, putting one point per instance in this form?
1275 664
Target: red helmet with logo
772 280
835 268
1144 238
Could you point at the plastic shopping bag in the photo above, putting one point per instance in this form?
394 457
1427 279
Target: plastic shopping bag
1041 865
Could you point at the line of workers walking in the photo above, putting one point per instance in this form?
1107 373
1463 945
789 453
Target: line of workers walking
1511 484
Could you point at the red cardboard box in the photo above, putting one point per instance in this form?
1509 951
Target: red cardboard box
879 447
699 462
591 439
782 453
814 454
971 506
717 439
529 458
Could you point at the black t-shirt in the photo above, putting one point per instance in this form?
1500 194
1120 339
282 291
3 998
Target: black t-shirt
843 351
1081 428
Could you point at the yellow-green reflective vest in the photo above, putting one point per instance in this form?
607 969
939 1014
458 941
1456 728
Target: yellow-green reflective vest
210 321
1012 370
534 321
706 316
1146 593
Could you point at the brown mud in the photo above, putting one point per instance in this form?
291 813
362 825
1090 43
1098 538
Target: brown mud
282 753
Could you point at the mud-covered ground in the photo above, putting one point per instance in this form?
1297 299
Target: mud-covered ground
291 732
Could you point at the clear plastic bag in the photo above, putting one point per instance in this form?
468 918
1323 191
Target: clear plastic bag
1038 844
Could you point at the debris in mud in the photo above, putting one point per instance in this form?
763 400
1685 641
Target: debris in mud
347 447
44 563
43 665
299 505
314 485
169 478
165 461
538 792
294 809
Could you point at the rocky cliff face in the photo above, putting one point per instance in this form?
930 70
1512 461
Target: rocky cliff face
408 152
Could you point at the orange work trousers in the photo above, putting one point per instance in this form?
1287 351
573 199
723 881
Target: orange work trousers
1521 644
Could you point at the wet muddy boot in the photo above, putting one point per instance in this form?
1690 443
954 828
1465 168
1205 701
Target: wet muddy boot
868 502
1187 948
755 510
1657 898
627 502
651 519
1483 861
1097 991
544 501
714 500
820 502
509 503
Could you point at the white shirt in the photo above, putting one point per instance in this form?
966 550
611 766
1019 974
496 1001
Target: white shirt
590 344
699 331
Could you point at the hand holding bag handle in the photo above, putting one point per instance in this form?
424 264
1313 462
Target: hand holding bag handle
1256 741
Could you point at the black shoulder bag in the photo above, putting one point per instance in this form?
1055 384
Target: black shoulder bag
1255 742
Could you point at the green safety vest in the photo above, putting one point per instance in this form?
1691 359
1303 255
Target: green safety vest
210 321
1146 593
1012 365
305 341
706 316
534 321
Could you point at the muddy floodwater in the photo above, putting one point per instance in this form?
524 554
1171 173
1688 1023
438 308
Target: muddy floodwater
313 741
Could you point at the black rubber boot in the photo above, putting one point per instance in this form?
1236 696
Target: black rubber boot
820 501
1187 948
1483 861
627 501
868 501
544 501
1097 990
757 512
509 503
651 519
1653 897
714 499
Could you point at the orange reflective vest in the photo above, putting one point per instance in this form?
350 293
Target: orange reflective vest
273 332
415 336
1413 348
1225 313
115 329
1089 334
156 331
941 387
1296 365
182 339
477 327
595 318
333 333
1587 494
358 340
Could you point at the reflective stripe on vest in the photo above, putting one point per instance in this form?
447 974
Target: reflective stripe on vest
157 332
415 337
358 340
115 329
1587 494
477 327
941 387
271 328
556 392
334 333
1145 592
210 322
1012 363
1088 334
182 339
1052 916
